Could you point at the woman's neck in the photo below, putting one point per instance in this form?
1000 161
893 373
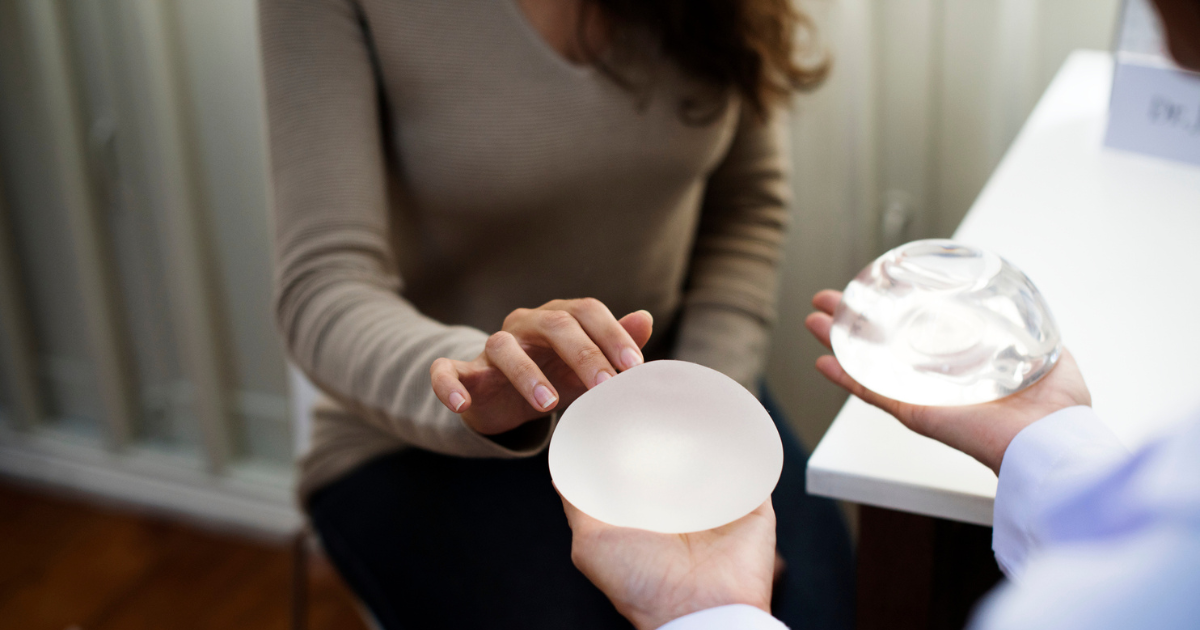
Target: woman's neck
558 22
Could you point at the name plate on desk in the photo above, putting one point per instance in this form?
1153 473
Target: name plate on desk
1155 110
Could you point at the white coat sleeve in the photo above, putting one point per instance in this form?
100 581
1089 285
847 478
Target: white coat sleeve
1092 545
734 616
1044 462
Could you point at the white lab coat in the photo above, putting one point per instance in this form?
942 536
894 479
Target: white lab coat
1090 537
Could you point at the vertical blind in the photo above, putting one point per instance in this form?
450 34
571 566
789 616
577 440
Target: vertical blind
134 256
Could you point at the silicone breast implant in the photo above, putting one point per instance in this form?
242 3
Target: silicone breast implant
937 322
668 446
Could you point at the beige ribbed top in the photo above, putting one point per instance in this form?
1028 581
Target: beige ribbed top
437 165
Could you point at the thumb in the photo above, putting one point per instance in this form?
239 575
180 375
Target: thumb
577 520
639 325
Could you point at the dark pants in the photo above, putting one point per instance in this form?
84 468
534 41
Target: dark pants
429 541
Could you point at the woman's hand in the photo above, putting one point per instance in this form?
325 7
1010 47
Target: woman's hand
654 578
541 359
982 431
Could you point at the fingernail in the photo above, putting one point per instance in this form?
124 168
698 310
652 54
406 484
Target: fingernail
650 315
542 395
457 401
602 376
630 358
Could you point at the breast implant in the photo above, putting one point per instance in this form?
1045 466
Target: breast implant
936 322
668 446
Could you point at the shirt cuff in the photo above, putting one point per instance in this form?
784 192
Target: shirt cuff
1044 461
740 616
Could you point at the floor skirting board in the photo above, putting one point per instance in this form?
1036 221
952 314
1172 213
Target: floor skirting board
258 500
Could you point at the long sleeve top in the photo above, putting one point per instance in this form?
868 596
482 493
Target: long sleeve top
1090 537
437 165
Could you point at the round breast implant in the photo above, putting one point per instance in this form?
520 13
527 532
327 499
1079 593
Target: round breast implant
937 322
668 446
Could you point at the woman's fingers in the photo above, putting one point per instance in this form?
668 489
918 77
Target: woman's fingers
561 332
820 325
619 347
448 388
586 342
582 333
827 301
504 352
566 336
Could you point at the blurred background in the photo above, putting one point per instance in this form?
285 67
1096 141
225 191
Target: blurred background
140 361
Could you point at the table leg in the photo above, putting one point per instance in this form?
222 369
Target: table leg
920 573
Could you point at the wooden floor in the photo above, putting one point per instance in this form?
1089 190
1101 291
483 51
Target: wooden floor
67 564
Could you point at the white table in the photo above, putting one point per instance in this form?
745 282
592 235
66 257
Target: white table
1113 242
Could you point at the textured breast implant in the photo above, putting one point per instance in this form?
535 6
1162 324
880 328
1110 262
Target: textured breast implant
668 446
936 322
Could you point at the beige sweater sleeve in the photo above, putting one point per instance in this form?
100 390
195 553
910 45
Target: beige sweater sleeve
337 292
729 305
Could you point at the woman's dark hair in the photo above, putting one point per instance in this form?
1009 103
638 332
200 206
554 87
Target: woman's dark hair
747 45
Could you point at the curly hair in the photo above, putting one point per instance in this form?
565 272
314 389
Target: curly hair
748 45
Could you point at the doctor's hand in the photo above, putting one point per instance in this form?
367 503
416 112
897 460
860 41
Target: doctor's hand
541 359
654 578
982 431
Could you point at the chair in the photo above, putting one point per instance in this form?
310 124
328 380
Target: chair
303 397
